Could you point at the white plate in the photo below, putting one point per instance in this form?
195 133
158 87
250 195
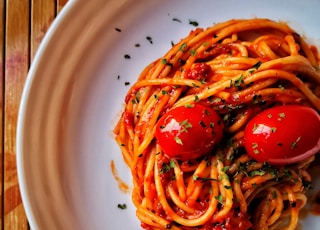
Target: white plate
73 98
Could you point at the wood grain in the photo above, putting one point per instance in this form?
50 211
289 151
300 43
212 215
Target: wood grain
43 13
24 23
61 4
16 69
2 50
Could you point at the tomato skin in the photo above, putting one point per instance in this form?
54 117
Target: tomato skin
199 71
283 135
189 132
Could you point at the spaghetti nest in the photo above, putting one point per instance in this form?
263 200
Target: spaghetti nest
254 64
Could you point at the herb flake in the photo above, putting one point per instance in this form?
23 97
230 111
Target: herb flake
194 23
219 198
122 206
178 140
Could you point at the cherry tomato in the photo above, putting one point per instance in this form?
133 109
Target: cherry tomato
283 134
189 132
199 71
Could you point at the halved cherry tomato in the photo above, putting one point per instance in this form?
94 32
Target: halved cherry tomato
199 71
189 132
283 134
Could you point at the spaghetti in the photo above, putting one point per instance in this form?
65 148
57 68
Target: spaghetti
254 64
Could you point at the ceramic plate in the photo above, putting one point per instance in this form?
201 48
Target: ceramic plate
74 95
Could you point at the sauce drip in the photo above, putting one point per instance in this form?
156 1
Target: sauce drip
121 184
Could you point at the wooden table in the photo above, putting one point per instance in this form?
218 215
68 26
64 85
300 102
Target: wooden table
23 25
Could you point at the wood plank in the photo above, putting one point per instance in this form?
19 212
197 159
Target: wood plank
43 13
60 4
26 22
2 31
16 68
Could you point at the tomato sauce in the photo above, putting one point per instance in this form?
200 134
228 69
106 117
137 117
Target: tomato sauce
128 119
121 184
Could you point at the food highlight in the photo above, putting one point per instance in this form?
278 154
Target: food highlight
221 131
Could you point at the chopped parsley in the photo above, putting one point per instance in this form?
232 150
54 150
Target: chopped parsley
254 145
196 98
176 20
239 81
195 85
193 52
178 140
225 168
295 143
203 179
282 115
206 112
183 47
273 129
185 125
274 194
149 39
257 65
165 62
255 148
188 105
122 206
164 92
194 23
219 198
203 125
166 167
259 172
